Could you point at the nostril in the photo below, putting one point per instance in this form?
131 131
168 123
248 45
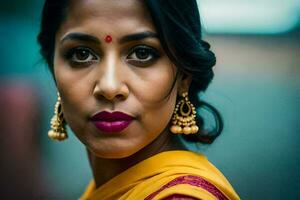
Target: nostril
120 96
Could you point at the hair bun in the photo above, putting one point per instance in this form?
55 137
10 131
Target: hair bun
205 45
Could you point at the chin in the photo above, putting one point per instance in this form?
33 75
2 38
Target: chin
113 153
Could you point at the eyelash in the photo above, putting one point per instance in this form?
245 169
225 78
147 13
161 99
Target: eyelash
150 50
93 58
70 56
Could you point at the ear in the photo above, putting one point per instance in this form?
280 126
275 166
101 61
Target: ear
184 83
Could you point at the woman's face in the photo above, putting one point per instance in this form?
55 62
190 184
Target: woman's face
130 73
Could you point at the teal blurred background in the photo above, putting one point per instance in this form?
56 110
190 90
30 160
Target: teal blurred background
256 88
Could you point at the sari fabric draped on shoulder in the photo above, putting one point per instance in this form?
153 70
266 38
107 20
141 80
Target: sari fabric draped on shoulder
164 175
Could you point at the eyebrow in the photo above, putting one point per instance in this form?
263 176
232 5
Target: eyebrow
89 38
138 36
80 37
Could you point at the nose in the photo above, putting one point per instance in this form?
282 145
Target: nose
110 82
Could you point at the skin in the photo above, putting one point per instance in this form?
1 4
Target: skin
112 77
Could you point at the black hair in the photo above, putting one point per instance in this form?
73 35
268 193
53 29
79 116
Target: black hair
178 27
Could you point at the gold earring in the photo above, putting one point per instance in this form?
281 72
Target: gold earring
58 131
184 122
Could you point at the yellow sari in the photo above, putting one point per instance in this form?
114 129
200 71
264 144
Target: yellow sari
163 175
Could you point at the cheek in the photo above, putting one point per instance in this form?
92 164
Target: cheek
74 91
73 84
152 93
154 84
68 78
157 115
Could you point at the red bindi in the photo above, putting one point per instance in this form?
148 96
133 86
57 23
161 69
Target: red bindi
108 39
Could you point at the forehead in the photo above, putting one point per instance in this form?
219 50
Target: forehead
110 16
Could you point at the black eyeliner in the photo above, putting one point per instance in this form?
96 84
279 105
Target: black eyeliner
155 52
68 54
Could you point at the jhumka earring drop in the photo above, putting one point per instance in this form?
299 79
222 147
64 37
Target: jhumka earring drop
184 122
58 131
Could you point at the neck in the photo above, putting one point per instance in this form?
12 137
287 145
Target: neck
105 169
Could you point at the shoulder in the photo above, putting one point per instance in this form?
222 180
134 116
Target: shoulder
188 187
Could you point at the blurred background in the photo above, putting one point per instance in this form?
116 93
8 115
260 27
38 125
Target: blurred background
256 88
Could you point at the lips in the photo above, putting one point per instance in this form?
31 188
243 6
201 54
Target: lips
111 122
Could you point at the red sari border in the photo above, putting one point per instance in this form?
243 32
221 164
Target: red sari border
179 197
194 181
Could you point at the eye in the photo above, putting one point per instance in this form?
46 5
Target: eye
142 54
81 55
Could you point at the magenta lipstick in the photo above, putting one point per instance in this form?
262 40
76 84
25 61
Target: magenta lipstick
111 122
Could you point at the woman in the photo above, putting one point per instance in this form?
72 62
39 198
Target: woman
128 74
